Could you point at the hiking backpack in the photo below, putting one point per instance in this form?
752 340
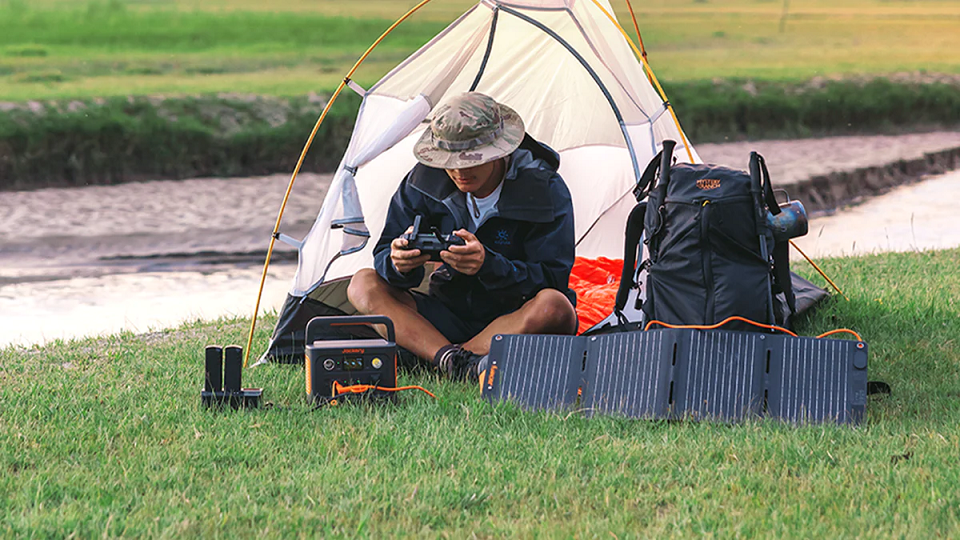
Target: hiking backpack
712 249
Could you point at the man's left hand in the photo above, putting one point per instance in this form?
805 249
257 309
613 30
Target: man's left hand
465 259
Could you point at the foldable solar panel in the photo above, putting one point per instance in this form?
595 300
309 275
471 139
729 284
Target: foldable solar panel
682 373
629 374
812 380
719 375
538 372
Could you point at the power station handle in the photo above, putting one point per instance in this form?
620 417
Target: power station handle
318 324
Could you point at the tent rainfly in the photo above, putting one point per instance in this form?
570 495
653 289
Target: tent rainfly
568 69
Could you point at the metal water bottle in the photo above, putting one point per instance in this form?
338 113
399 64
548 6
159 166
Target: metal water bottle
791 222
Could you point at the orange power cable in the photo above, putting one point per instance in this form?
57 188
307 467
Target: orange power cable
361 388
841 331
296 170
721 323
748 321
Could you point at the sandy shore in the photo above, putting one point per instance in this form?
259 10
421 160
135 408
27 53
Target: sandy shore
138 256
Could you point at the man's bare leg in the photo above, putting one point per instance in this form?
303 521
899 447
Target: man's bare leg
371 295
549 312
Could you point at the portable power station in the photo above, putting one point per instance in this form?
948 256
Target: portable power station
331 358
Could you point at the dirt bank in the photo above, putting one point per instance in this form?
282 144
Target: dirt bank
828 173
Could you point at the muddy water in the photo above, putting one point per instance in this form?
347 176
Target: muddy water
146 255
38 312
72 300
914 217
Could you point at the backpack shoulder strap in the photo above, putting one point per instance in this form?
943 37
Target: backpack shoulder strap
781 273
646 181
635 223
643 186
631 246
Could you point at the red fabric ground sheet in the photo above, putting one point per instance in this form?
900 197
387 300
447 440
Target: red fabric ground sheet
596 282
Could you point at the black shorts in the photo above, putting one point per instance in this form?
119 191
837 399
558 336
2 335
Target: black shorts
453 327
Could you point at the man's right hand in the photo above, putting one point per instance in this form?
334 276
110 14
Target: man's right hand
404 259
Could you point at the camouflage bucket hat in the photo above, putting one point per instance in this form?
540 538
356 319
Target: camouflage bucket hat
469 130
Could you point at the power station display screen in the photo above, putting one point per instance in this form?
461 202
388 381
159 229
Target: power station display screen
352 363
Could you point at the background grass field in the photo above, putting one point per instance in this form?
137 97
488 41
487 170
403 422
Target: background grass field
69 48
106 437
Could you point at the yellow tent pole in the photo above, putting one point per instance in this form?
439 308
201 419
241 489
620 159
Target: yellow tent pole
817 268
296 170
656 83
642 57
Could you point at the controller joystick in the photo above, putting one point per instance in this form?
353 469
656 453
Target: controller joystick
430 242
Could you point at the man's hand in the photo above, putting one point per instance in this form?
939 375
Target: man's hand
465 259
403 259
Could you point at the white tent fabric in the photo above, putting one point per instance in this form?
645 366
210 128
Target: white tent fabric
563 65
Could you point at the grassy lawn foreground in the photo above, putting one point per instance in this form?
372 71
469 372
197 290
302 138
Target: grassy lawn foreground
106 436
61 49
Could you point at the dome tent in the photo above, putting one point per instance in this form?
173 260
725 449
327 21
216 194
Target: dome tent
565 66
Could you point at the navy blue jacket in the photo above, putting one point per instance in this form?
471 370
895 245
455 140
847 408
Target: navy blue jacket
529 237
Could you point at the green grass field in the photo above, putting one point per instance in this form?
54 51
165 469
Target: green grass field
54 49
106 437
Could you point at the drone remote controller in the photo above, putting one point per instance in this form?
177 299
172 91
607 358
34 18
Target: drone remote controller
430 242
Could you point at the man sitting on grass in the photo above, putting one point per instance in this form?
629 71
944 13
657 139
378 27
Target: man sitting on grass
482 178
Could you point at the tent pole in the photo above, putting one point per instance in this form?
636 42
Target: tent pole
656 83
817 268
651 76
636 27
296 170
643 50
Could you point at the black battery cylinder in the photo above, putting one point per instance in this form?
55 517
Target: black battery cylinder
213 370
232 368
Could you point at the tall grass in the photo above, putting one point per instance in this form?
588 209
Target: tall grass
740 109
83 142
728 68
106 437
122 140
